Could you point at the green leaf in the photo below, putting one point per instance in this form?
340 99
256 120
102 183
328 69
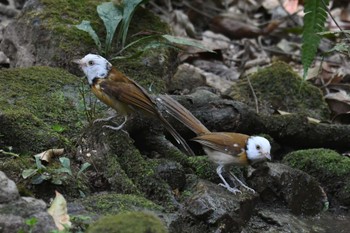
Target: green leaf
58 128
31 221
57 181
186 41
38 179
65 165
38 163
111 17
86 27
63 170
83 168
314 20
28 173
128 8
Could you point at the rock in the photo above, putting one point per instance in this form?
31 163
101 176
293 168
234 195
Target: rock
121 164
300 191
173 173
8 189
4 60
115 203
34 103
39 36
331 169
186 78
278 87
271 219
211 208
15 210
133 222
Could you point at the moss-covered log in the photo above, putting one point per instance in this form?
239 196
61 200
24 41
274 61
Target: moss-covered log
232 116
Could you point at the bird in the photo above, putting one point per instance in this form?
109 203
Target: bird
121 93
224 149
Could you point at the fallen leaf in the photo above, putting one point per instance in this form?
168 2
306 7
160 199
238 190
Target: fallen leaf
49 154
291 6
59 212
338 102
342 118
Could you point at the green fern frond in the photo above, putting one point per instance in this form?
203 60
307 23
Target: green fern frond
314 20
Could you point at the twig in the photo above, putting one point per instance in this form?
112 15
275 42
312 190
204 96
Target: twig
9 153
254 95
336 23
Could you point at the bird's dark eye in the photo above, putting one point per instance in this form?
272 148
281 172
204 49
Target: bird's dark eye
91 63
257 147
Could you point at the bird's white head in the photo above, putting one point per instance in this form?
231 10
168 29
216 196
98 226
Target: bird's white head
258 148
94 66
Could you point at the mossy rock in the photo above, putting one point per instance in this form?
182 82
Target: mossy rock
131 222
117 159
45 34
330 168
278 87
114 203
40 108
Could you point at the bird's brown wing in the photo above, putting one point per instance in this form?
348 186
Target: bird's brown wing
229 143
129 94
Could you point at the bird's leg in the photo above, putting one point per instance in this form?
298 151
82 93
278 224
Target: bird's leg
225 184
241 183
118 127
105 119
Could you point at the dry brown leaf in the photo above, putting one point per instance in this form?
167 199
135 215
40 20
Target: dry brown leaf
338 102
291 6
234 28
342 118
214 41
49 154
59 212
181 24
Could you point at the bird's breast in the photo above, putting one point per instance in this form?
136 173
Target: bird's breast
225 159
108 100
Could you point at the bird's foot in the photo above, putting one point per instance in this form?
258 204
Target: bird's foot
113 127
116 129
104 119
249 189
241 183
232 190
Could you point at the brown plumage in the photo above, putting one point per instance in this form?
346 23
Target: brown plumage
122 93
223 148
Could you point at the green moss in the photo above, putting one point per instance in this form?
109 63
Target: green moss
116 203
32 102
202 167
314 160
141 171
131 222
279 87
60 16
330 168
13 167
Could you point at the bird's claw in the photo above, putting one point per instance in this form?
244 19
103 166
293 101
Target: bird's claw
250 189
112 127
232 190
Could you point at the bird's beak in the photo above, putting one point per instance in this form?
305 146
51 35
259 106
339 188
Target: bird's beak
77 61
268 156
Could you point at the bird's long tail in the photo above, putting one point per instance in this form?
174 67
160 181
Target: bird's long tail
183 115
176 135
